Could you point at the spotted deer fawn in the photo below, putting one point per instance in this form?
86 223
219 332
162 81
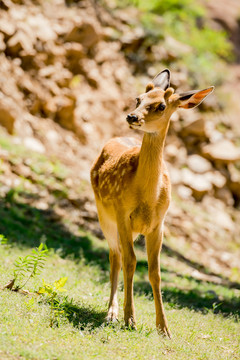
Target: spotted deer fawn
132 191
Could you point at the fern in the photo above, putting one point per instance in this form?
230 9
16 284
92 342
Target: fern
30 266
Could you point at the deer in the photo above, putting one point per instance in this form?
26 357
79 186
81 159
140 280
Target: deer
132 190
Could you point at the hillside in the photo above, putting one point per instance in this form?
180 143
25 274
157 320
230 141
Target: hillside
68 76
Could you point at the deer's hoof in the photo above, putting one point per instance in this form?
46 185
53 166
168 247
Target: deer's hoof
130 323
112 317
164 331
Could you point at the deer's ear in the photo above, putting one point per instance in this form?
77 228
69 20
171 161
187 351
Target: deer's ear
162 79
191 99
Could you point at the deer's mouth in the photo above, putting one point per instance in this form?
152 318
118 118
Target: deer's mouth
136 124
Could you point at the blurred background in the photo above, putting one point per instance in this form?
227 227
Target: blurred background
70 72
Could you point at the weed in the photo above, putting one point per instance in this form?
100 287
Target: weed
52 291
3 240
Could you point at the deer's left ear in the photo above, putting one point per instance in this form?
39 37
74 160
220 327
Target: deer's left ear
191 99
162 80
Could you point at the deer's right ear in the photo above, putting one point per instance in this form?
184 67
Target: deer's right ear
162 79
191 99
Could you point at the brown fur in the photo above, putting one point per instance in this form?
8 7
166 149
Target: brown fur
132 191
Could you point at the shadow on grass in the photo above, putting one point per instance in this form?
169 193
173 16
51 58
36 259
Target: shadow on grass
195 265
194 299
83 317
24 225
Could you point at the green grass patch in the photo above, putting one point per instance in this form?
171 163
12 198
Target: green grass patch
82 334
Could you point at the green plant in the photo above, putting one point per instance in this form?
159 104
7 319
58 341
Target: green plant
188 23
3 240
29 266
52 292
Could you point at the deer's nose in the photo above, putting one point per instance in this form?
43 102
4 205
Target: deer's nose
132 118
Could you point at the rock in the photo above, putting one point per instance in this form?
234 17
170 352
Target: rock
34 144
7 114
223 220
184 192
87 33
2 43
225 195
7 28
196 128
41 27
57 73
74 50
234 181
74 53
64 111
176 47
198 164
216 178
131 41
175 174
106 51
20 42
199 184
223 151
175 151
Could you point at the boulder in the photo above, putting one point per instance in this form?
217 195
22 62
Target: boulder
74 53
61 109
7 28
2 43
20 42
225 195
196 128
223 151
198 164
216 178
199 184
7 114
87 33
34 144
184 192
234 180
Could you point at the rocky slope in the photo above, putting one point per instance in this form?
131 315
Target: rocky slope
67 76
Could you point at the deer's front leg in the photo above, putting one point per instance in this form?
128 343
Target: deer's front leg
154 245
115 264
129 266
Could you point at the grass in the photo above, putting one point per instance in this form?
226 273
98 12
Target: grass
199 332
203 316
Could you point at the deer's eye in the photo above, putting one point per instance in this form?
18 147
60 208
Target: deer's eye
138 102
161 107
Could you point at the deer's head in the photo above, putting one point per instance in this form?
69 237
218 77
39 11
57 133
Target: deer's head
156 105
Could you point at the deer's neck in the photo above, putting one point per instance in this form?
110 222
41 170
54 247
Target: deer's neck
150 166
